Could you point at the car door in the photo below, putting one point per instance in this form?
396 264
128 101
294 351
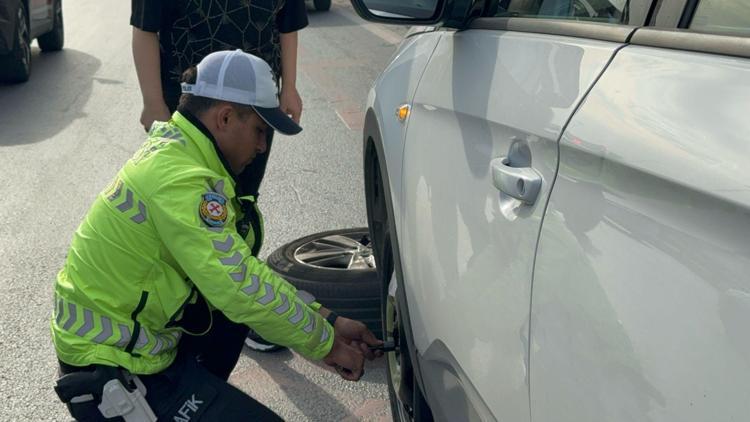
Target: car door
641 291
483 130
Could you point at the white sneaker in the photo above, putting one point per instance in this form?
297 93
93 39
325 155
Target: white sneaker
258 344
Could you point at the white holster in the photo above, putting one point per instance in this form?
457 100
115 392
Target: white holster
131 406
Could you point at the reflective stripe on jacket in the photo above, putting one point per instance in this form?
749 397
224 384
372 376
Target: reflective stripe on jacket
164 227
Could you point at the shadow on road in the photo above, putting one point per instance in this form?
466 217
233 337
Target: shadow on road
54 96
306 395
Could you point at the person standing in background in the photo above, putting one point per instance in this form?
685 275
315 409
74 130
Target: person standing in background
171 36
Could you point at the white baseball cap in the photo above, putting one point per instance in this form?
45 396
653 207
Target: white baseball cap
242 78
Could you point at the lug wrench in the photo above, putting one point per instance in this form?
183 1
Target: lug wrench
387 346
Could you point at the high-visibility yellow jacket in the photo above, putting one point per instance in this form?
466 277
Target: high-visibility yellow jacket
166 226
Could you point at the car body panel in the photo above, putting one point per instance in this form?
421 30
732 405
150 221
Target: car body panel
468 249
401 77
641 294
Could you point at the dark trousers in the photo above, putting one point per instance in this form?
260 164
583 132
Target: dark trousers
249 180
219 349
194 387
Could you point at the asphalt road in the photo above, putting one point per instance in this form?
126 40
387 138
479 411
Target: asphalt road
64 135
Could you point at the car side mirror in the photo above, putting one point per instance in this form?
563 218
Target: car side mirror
400 12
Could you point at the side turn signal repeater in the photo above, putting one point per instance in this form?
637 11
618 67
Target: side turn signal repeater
402 113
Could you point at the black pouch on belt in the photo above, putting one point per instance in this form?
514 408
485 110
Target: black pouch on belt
81 391
86 384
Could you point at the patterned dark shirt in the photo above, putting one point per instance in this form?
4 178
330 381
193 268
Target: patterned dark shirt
189 30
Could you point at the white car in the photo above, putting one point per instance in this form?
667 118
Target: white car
558 195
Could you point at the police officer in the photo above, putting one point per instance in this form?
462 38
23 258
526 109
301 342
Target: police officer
165 261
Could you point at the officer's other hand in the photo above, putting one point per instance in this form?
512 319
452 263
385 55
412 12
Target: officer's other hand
291 103
154 111
357 335
348 360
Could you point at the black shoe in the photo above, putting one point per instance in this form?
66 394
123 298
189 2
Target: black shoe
258 344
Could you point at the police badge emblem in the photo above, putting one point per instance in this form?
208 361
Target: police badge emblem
213 209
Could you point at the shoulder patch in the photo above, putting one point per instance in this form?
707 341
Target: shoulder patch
213 209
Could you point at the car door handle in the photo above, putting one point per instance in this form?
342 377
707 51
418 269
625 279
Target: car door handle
522 183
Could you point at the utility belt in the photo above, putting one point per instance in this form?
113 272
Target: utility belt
114 392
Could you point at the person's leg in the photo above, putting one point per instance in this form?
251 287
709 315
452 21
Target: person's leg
188 391
184 391
219 349
250 178
172 93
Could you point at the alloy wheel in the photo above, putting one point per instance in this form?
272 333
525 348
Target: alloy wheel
337 252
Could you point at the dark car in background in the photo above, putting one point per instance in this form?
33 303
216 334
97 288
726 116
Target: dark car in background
22 21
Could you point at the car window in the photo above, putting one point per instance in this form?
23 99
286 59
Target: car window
607 11
722 16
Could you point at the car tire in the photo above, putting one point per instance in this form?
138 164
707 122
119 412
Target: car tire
16 65
322 5
54 40
337 267
408 403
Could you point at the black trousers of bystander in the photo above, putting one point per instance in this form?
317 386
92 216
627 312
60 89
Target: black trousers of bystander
250 179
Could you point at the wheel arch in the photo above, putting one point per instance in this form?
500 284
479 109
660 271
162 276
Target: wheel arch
376 170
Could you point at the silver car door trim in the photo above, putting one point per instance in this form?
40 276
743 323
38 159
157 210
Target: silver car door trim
590 30
693 41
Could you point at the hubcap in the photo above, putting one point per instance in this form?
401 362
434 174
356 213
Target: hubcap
337 252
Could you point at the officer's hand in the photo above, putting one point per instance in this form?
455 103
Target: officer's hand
156 111
348 360
291 103
357 335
